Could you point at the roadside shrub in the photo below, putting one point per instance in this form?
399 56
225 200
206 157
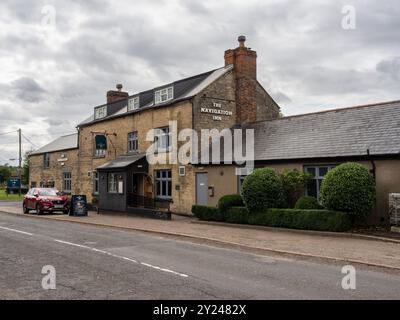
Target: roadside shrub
308 203
207 213
263 189
320 220
293 183
349 188
237 215
230 200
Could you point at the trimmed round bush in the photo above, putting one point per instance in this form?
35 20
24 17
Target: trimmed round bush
263 189
349 188
307 203
229 201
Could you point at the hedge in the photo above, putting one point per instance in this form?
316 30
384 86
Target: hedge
237 215
230 200
308 203
207 213
320 220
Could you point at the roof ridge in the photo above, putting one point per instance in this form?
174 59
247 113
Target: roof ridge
160 86
331 110
67 135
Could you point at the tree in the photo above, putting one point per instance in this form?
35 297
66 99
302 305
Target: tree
350 188
5 173
263 189
293 183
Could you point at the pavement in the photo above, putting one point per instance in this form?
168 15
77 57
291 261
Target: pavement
364 250
94 262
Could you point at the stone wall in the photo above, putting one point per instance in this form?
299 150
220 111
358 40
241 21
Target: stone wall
70 163
117 130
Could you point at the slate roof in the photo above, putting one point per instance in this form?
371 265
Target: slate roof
183 89
335 133
122 161
62 143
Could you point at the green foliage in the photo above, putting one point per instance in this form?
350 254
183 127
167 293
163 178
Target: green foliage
293 182
5 173
237 215
263 189
321 220
349 188
230 200
207 213
308 203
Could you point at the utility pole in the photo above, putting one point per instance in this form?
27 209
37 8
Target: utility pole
20 161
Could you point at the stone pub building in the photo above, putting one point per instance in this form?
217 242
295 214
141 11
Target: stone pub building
106 158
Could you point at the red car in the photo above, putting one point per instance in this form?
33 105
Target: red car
45 200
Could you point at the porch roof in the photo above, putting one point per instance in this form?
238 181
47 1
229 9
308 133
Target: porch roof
122 162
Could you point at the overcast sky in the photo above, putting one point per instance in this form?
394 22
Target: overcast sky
56 68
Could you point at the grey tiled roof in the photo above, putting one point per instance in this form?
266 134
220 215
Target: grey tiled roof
335 133
183 89
62 143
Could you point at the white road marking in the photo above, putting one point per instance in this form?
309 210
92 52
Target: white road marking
19 231
122 257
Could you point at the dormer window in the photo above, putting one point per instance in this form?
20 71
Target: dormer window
133 104
100 112
164 95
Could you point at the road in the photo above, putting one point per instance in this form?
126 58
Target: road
105 263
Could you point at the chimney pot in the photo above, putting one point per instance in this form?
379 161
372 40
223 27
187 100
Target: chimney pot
241 40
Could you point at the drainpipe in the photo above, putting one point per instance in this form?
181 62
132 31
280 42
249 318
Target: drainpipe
373 170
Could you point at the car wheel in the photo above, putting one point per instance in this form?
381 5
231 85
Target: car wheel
66 211
38 211
26 210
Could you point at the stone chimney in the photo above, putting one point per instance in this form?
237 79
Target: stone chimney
113 95
244 61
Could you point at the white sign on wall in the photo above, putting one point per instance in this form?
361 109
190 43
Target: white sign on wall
216 111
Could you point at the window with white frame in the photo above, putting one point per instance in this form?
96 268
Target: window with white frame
162 139
163 182
100 112
112 183
67 182
317 174
133 104
133 141
164 95
95 182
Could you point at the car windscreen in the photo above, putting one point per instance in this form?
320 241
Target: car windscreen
48 193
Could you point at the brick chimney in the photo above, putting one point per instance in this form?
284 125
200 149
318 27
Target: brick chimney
244 61
113 95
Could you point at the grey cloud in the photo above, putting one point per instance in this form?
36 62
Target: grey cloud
305 59
27 89
390 67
